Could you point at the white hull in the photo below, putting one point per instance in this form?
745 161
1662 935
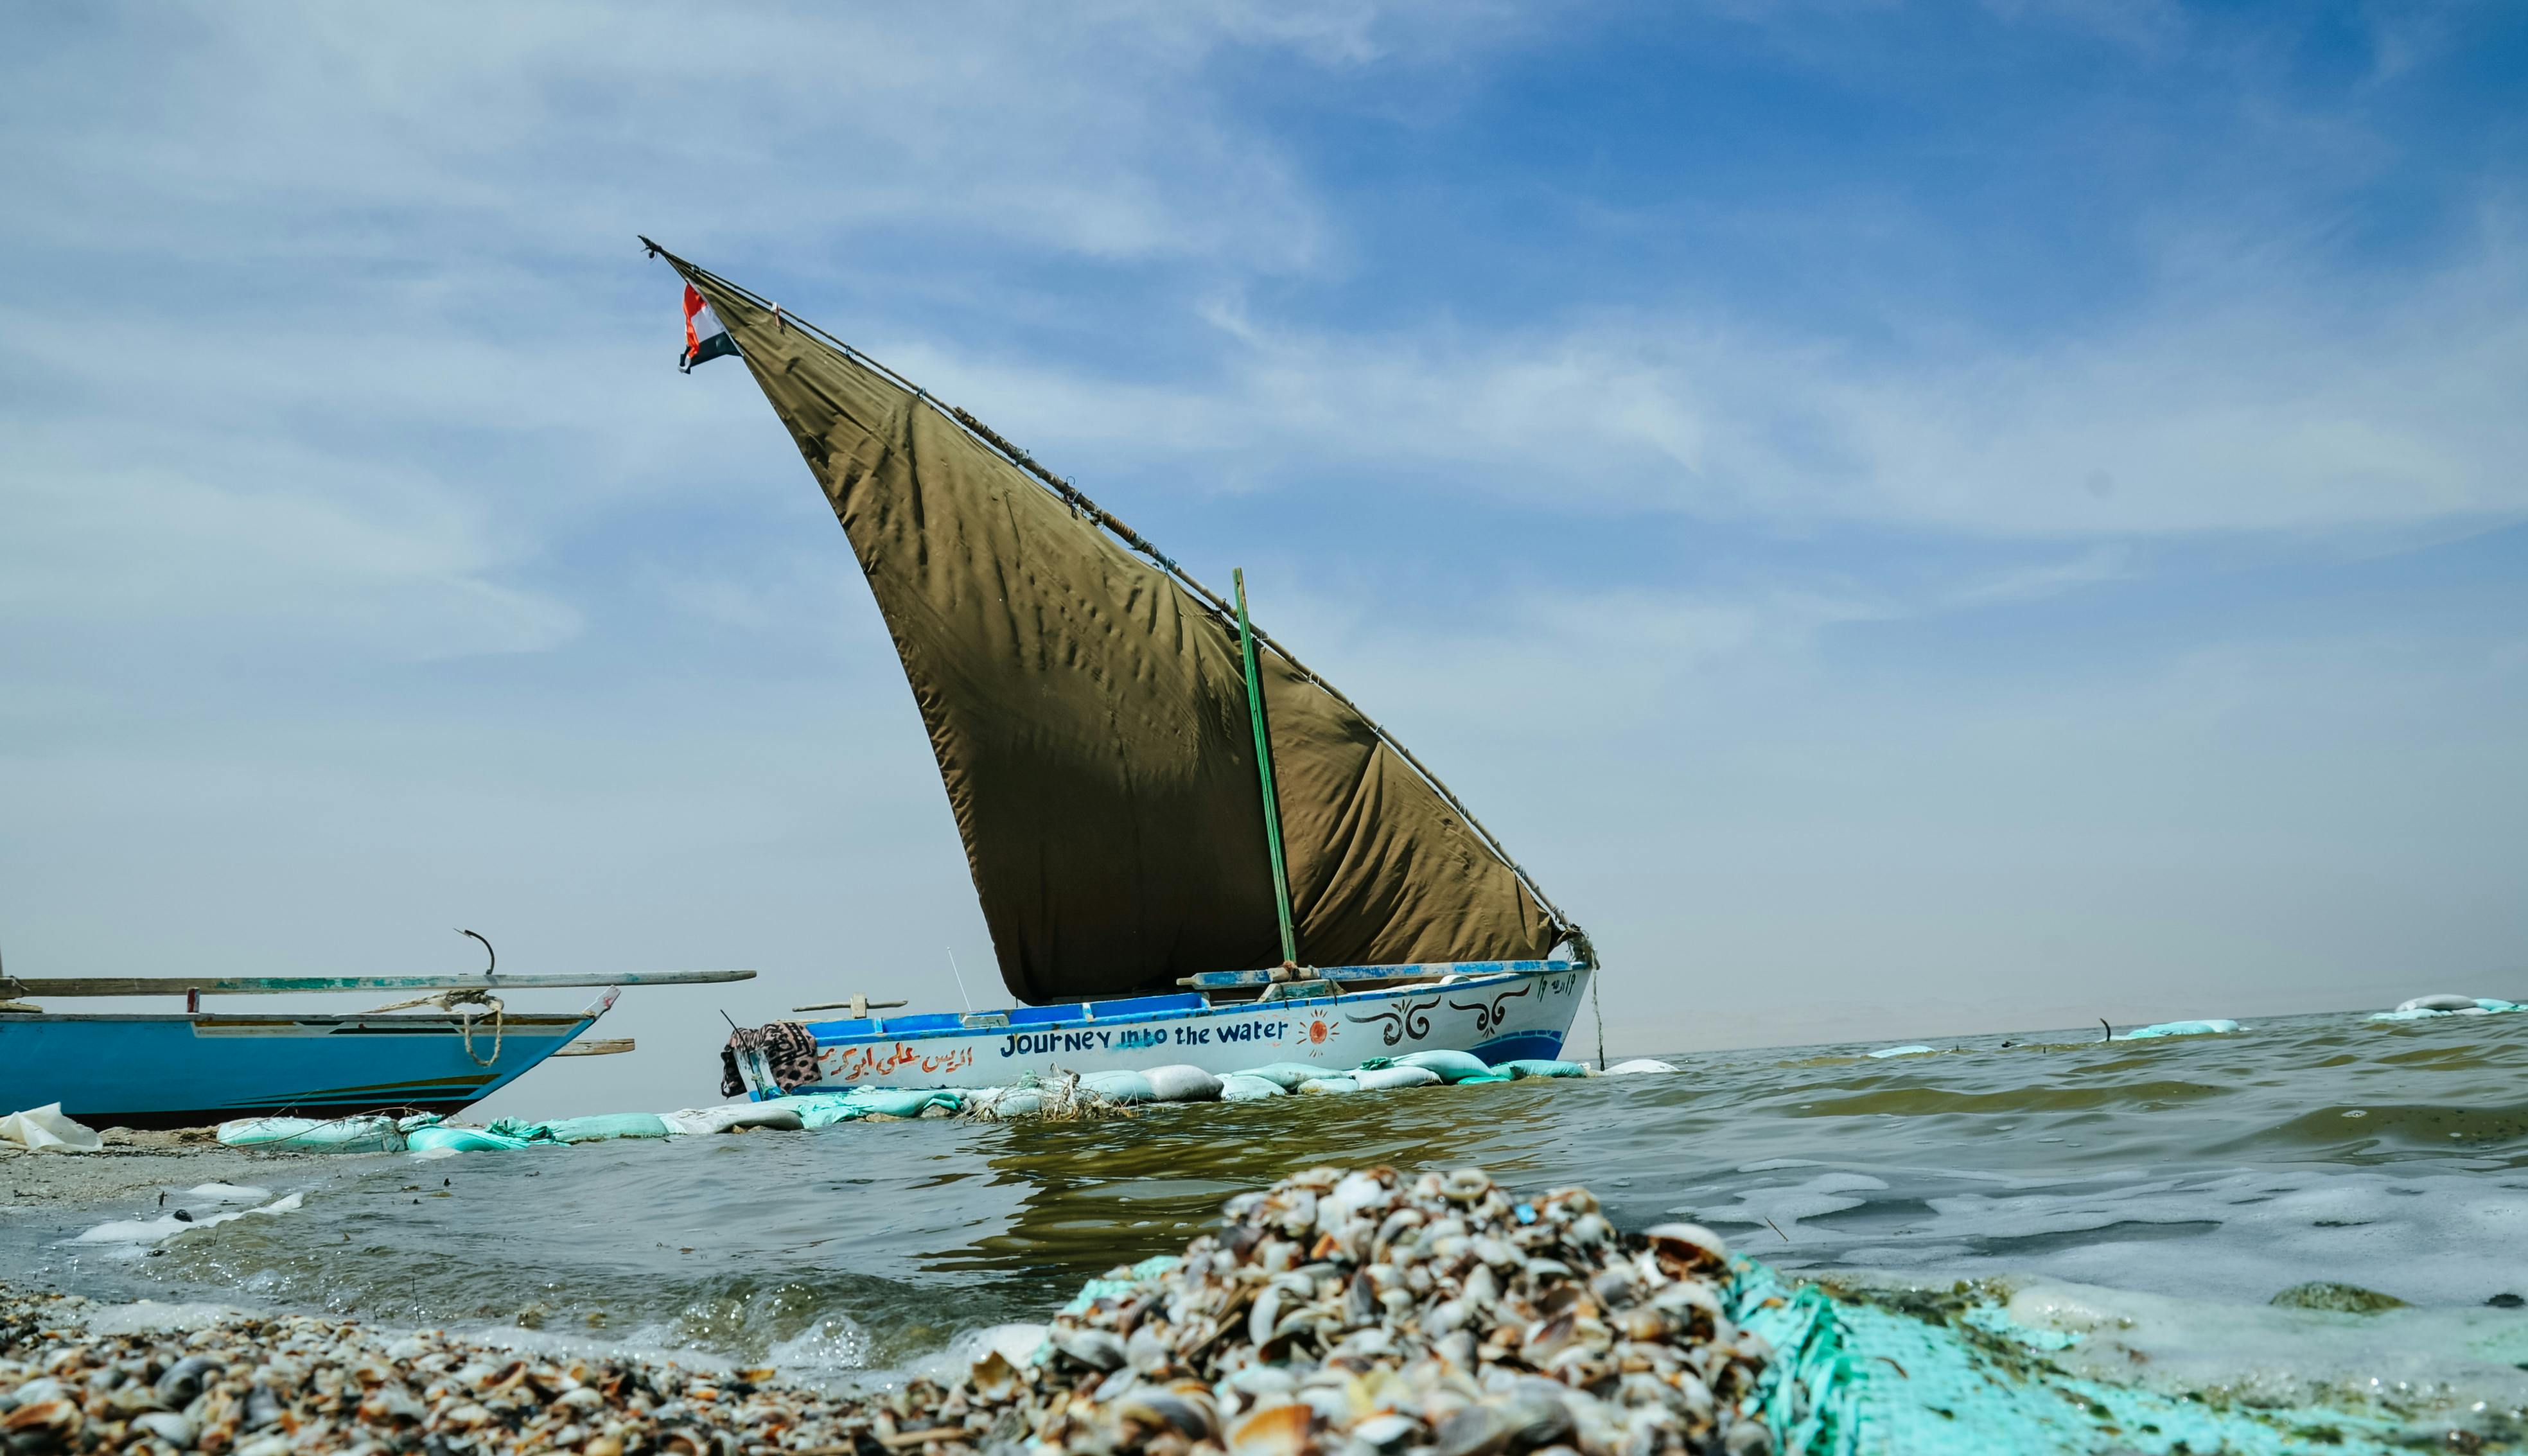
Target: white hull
1498 1015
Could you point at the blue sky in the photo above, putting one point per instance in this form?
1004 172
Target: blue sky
1908 518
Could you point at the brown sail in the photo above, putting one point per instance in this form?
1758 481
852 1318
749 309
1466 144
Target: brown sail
1090 719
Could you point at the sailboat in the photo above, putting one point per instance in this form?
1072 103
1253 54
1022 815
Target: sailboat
1188 846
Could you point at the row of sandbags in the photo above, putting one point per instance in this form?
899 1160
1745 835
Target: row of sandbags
1062 1094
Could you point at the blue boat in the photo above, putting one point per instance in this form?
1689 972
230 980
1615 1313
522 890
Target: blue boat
193 1067
1189 847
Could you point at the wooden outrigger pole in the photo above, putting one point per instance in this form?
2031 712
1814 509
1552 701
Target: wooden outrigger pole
177 985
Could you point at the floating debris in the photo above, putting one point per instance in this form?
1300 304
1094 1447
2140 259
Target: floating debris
1335 1312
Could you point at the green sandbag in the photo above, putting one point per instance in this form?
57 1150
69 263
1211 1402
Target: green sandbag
1241 1086
463 1140
1490 1076
1452 1066
1542 1066
895 1102
604 1128
1333 1084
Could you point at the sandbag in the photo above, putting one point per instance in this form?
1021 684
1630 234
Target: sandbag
2440 1004
1638 1067
1182 1083
604 1128
1016 1102
369 1133
1910 1049
1389 1079
1329 1084
1239 1086
901 1102
1119 1086
693 1122
1452 1066
1287 1075
462 1140
2180 1029
44 1129
1542 1066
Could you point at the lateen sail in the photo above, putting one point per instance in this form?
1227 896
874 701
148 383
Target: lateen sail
1090 720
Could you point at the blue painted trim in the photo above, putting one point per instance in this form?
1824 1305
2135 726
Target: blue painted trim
1146 1010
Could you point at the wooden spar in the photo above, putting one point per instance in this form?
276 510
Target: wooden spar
177 985
610 1046
1264 770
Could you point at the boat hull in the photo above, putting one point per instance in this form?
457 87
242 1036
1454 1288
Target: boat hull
1497 1014
193 1070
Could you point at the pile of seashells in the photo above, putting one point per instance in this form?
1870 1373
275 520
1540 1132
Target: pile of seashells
1364 1312
1359 1313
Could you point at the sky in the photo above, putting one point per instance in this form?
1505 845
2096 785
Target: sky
1908 518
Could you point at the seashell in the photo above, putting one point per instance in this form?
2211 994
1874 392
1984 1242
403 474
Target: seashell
133 1397
684 1441
1146 1350
1589 1231
36 1424
1098 1349
1547 1340
40 1388
166 1425
603 1445
1298 1216
1186 1407
1274 1431
1261 1318
262 1408
1686 1248
1385 1433
1263 1383
1480 1288
186 1377
464 1415
275 1444
1495 1251
1465 1184
1747 1438
1446 1318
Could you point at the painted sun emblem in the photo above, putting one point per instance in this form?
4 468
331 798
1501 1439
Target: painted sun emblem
1318 1030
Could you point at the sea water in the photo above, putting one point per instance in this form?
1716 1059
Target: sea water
2199 1176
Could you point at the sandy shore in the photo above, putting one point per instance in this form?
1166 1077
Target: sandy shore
133 1163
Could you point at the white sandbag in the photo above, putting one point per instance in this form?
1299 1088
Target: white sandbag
1182 1083
1287 1075
1910 1049
695 1122
2440 1004
1019 1102
2217 1026
1638 1067
1241 1086
369 1133
1329 1084
1119 1086
1389 1079
44 1129
1451 1066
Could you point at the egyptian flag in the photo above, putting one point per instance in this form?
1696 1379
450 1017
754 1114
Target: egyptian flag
705 339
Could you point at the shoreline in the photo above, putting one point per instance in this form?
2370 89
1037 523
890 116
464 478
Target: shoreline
133 1163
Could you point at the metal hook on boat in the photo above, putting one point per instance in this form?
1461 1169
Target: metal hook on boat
487 949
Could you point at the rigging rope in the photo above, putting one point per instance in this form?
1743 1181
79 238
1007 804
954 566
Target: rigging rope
468 998
1081 504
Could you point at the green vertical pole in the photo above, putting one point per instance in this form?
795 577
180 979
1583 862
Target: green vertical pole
1264 770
